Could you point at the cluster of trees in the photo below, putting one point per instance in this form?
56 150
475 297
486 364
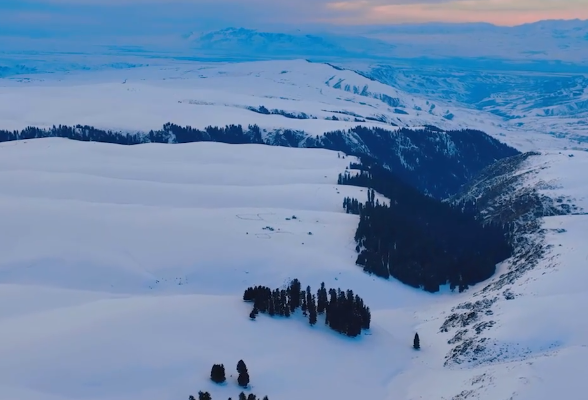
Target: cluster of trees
434 161
218 375
419 240
344 311
242 396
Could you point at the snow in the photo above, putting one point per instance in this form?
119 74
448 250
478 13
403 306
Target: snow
122 267
122 272
539 338
203 94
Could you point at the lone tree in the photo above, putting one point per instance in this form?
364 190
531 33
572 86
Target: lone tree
217 373
243 378
204 396
416 343
191 398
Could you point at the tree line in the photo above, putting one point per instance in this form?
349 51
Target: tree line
434 161
344 311
419 240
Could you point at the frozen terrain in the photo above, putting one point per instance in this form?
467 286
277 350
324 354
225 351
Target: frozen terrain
123 268
317 97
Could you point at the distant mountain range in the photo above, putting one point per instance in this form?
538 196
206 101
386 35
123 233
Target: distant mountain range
559 42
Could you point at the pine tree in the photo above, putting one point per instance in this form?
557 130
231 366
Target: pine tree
322 299
242 396
416 342
241 367
191 398
252 314
243 379
312 314
265 398
251 397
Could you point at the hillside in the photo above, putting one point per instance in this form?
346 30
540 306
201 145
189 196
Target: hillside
124 268
521 335
292 94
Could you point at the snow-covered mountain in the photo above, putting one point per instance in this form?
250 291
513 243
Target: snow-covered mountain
551 41
254 44
298 95
554 104
536 44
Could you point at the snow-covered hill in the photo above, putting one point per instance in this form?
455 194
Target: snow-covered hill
297 95
123 268
523 334
548 103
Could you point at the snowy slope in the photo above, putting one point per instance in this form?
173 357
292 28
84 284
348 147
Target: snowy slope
200 94
523 335
123 268
553 104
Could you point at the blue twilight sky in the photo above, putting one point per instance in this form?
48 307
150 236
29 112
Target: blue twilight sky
116 17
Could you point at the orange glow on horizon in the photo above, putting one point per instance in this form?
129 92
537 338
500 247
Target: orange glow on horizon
497 12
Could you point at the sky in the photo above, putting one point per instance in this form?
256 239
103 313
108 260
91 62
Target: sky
45 17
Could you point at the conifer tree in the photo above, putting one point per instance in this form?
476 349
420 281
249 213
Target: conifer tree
322 299
217 373
191 398
242 396
251 397
243 379
312 314
416 342
241 367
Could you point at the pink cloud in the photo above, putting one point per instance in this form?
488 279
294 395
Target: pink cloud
499 12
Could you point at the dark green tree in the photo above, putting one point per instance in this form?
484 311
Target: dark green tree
416 343
312 314
242 396
243 379
217 373
241 367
